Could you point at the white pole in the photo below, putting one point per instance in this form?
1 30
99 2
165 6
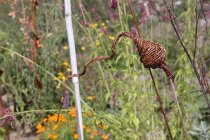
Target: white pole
72 51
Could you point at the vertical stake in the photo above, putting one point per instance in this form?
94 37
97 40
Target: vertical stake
75 80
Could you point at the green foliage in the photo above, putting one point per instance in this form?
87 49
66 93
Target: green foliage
119 91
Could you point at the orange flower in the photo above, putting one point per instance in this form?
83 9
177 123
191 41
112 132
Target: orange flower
39 128
83 126
90 113
72 112
105 127
75 136
104 137
49 136
88 130
55 127
54 136
44 120
95 133
54 118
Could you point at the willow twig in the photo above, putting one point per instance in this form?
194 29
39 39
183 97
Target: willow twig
180 38
179 110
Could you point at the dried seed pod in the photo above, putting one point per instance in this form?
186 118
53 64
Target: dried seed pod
152 55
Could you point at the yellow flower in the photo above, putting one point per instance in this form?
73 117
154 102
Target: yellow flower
68 70
103 24
76 136
104 137
65 47
101 33
111 37
91 137
98 43
90 98
55 127
82 48
88 130
54 136
94 25
49 136
98 122
90 113
105 127
60 74
65 63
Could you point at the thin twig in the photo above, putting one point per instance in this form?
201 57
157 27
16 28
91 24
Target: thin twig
196 31
134 19
188 54
81 9
161 107
158 13
179 109
206 26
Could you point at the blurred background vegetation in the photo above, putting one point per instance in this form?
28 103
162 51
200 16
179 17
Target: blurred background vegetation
119 101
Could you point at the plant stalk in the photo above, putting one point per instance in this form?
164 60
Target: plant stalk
161 107
179 110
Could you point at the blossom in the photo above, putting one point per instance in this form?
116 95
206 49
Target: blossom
105 127
39 128
68 69
44 120
95 133
98 43
55 127
61 76
82 48
65 47
111 37
65 63
72 112
90 98
54 118
94 25
104 137
113 4
75 136
54 136
103 24
88 130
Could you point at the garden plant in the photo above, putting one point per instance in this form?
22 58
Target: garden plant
143 69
